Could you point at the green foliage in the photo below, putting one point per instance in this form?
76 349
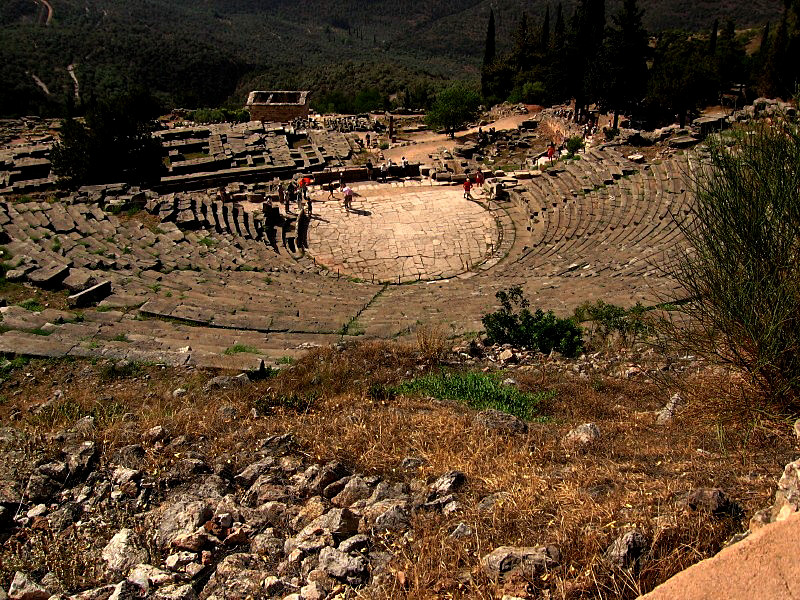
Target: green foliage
514 324
120 369
454 107
347 102
294 401
574 145
477 390
104 412
114 145
743 274
9 366
609 320
219 115
241 348
32 304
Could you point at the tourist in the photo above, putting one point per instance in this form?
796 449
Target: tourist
291 194
467 188
404 163
369 170
282 199
384 171
551 151
479 179
348 197
368 140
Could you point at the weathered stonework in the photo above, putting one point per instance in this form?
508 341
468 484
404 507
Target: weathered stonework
280 106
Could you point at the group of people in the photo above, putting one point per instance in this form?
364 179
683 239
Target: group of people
296 192
385 168
468 184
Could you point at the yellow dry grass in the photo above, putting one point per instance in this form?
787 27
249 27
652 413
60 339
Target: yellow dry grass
636 476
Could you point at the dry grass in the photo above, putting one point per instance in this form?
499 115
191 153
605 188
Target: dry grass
432 342
635 477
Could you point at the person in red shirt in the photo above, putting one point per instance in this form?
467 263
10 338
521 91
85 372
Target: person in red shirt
467 188
479 179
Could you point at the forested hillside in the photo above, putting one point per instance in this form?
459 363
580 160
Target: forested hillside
207 52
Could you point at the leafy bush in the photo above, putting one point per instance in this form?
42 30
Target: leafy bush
241 349
609 320
476 390
219 115
574 145
742 272
515 324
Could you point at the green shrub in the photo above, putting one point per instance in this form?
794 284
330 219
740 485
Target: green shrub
574 145
543 331
240 349
610 320
32 304
477 390
742 273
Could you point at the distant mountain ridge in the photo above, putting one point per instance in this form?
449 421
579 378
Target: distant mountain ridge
200 52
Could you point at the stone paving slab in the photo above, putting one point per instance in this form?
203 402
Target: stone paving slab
401 234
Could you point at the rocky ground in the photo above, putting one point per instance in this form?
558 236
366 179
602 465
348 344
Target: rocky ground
125 480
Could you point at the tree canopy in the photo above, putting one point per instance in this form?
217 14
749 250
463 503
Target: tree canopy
454 107
114 144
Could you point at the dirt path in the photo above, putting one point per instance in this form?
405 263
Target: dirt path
71 71
49 11
40 83
428 142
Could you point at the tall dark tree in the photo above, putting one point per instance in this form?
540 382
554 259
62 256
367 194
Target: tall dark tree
585 44
626 52
489 52
712 41
559 31
544 41
731 58
774 79
115 144
680 79
763 47
523 47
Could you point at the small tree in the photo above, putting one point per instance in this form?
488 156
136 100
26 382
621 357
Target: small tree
574 145
454 107
742 271
115 144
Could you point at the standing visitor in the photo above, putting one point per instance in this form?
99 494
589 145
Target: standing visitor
369 170
291 194
282 197
348 198
467 188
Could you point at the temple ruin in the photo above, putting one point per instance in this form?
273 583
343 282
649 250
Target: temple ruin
280 106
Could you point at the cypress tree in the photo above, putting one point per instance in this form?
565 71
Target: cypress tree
491 42
764 47
712 42
558 32
544 43
488 55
